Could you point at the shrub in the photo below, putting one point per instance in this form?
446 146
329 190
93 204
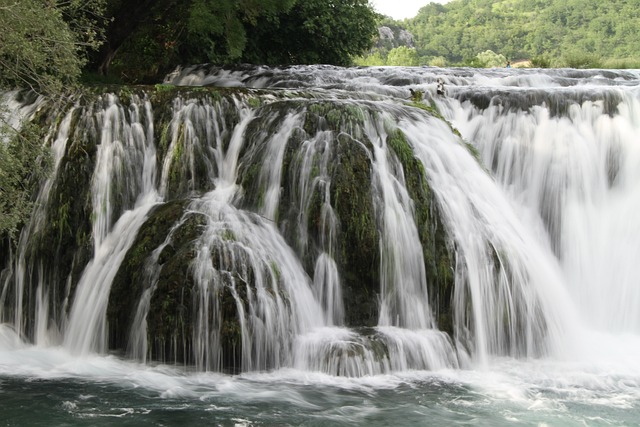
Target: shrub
541 61
580 59
438 61
489 59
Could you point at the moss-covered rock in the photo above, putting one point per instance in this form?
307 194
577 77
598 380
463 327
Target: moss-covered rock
132 278
349 176
66 241
438 256
63 245
358 254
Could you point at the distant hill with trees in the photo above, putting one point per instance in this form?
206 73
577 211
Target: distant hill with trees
556 33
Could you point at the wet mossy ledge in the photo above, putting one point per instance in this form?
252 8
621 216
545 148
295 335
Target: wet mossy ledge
167 242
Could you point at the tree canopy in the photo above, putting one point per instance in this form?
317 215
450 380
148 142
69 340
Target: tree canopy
312 32
573 33
517 29
43 46
43 43
147 40
46 43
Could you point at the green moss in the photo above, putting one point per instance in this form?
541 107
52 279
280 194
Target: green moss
131 281
417 95
275 270
438 257
178 181
255 102
358 254
334 115
397 141
164 88
430 108
125 94
63 220
473 151
228 235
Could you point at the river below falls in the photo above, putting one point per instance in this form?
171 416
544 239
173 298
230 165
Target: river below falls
51 387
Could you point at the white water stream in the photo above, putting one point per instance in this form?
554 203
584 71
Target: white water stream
125 172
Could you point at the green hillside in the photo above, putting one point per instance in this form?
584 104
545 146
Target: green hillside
575 33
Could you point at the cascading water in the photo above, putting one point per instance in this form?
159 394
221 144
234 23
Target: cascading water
576 173
509 294
43 333
339 232
124 177
316 153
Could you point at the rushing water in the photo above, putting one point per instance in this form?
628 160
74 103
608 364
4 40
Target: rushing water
51 387
546 305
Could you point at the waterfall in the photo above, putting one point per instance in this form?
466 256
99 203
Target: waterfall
509 291
336 225
124 177
315 156
573 175
271 171
404 298
36 224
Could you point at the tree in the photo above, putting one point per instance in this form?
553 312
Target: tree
437 61
403 55
24 161
490 59
124 19
168 33
42 47
314 32
555 29
38 47
149 38
238 17
375 59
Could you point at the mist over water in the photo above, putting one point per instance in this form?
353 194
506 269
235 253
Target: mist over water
543 224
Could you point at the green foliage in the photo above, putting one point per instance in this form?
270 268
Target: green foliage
169 33
541 61
38 48
579 59
151 51
314 31
625 63
584 33
373 60
86 20
164 88
148 39
437 61
490 59
403 55
222 25
24 161
43 44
